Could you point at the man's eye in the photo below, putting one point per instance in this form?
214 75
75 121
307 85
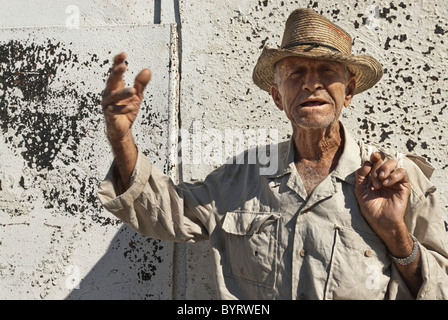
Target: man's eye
327 70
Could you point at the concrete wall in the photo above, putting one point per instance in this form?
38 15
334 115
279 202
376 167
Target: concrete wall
56 242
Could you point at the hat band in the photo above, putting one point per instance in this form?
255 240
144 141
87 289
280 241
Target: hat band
311 45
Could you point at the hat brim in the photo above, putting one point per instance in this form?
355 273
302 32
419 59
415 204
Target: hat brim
366 69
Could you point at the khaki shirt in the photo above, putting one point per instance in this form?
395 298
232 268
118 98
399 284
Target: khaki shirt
271 241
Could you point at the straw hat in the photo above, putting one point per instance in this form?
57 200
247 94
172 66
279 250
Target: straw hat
311 35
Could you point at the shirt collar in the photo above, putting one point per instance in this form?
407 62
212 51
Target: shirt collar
349 161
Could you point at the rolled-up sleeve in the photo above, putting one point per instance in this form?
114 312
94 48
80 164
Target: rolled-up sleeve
154 206
424 219
434 256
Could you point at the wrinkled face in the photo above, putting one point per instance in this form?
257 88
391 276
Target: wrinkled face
312 92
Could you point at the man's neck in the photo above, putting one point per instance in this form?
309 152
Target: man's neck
317 153
317 144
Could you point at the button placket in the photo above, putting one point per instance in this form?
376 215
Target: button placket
298 257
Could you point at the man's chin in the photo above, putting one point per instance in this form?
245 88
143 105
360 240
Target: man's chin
313 123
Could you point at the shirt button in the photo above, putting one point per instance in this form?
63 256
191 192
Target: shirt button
368 253
302 253
242 271
249 226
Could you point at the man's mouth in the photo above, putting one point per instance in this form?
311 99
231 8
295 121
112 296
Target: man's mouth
313 103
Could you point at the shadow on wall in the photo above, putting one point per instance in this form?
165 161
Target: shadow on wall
134 267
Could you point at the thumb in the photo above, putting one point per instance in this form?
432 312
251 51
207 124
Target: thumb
141 80
363 172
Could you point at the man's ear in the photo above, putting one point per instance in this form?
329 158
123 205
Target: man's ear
276 97
350 91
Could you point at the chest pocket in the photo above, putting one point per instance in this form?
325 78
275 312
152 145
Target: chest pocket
251 246
360 266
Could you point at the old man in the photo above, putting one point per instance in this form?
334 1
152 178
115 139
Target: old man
338 219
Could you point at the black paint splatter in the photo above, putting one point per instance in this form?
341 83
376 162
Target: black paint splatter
439 30
145 253
32 121
32 69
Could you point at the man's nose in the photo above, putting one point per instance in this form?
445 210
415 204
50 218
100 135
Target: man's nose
312 82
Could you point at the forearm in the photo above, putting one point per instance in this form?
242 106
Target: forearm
412 275
125 152
401 246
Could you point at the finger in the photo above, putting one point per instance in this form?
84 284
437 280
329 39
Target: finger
375 157
119 59
363 172
116 96
376 161
141 81
398 176
115 80
387 168
115 109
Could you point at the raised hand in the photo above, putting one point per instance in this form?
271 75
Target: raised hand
120 109
121 104
383 191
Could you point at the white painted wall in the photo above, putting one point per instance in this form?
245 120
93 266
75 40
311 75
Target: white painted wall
56 241
49 222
